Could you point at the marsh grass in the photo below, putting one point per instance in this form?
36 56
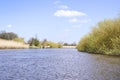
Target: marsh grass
104 38
9 44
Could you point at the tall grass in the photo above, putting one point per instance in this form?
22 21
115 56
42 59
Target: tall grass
9 44
104 38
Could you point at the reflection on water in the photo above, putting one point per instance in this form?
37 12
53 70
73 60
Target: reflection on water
57 64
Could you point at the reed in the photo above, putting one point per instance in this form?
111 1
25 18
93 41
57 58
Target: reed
9 44
104 38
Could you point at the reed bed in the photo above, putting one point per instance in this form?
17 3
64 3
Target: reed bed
9 44
104 38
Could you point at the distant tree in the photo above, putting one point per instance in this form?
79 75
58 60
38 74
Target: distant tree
34 42
65 44
69 44
8 35
50 44
73 44
44 43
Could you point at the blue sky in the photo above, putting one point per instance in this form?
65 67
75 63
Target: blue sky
55 20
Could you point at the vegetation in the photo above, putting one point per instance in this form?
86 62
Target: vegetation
104 38
19 40
44 43
8 35
67 44
54 45
10 40
35 43
10 44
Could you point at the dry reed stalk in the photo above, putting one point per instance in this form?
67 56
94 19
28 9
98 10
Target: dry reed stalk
9 44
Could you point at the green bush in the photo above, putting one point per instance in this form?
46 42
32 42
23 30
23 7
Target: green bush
54 45
34 42
104 38
8 35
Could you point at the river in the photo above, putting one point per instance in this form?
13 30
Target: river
57 64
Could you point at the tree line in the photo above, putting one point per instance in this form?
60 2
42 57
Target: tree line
33 42
11 36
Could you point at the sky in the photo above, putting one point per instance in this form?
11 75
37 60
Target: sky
55 20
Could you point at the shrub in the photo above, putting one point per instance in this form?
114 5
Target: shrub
8 35
104 38
33 42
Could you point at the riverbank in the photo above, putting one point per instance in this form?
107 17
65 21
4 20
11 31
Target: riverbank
9 44
103 39
69 47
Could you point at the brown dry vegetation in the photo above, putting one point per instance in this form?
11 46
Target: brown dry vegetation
9 44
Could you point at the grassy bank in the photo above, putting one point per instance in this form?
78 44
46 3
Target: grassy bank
104 38
9 44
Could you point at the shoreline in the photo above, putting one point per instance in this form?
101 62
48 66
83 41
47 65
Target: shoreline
9 44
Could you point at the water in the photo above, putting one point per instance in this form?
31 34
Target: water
57 64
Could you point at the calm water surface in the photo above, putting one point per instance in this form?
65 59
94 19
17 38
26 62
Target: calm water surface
57 64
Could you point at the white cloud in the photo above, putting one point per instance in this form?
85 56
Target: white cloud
68 13
63 7
9 26
73 16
